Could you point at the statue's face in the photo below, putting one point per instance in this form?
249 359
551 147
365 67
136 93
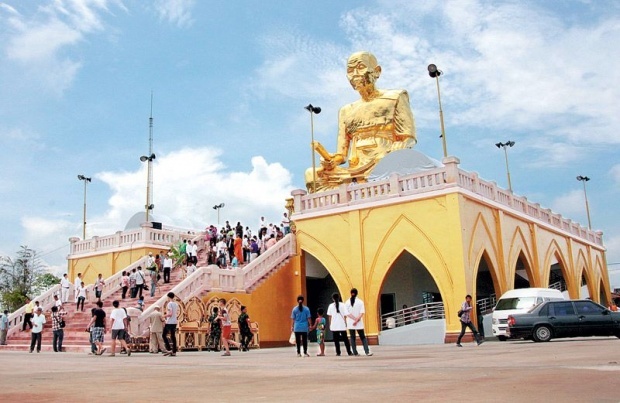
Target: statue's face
361 71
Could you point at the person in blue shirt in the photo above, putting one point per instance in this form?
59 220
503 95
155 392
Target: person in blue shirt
301 322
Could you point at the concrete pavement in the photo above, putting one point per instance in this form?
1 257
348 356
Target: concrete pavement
568 370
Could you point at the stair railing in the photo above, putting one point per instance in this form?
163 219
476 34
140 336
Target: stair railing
46 301
212 278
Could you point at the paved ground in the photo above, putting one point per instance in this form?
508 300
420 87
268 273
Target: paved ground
570 370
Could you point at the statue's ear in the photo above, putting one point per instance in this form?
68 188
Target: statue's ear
377 72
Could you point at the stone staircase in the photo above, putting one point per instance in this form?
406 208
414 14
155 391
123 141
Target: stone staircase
246 278
76 339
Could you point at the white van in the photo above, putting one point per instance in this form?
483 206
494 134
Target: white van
519 301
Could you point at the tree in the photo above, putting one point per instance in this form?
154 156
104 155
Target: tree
43 282
18 277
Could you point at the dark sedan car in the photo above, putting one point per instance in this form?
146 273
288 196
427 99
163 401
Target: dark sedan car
556 319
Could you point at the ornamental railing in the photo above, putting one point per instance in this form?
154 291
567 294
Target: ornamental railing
212 278
134 238
411 315
450 176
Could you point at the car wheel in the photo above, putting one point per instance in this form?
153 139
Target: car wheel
542 333
502 338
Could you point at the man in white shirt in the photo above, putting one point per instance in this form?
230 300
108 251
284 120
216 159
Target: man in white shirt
65 284
139 282
221 252
57 302
262 223
4 327
355 321
195 252
170 328
119 326
99 283
270 231
150 261
167 268
37 327
245 245
76 284
286 224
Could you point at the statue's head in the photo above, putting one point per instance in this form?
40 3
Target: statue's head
362 70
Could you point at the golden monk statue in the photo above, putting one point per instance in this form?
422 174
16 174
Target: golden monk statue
368 129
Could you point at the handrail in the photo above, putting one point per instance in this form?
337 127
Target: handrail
407 316
208 278
145 236
46 301
113 283
271 258
486 305
436 179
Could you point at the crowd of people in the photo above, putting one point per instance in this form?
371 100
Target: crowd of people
232 246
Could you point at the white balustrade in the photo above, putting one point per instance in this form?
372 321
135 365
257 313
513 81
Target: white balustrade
46 301
134 238
211 278
432 180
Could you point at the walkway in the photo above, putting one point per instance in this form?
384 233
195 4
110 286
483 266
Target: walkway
508 372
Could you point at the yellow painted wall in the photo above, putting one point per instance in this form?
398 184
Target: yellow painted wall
359 247
105 263
448 234
271 303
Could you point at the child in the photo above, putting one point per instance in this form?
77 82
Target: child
319 325
224 318
140 305
216 331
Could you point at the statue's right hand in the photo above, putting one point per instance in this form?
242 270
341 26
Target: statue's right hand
328 165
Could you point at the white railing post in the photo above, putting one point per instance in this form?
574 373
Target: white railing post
452 169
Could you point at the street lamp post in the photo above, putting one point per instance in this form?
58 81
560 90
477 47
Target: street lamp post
86 180
313 110
584 179
218 207
149 184
435 73
505 146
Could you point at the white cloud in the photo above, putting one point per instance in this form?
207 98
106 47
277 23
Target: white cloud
177 12
189 182
36 42
569 203
612 243
507 66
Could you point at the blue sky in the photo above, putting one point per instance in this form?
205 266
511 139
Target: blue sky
229 83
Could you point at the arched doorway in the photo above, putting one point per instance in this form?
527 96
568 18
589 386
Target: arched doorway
409 296
584 292
409 283
557 270
487 292
523 273
320 286
487 286
603 298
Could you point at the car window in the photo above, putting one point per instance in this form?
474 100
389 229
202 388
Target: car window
563 308
544 311
588 308
515 303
